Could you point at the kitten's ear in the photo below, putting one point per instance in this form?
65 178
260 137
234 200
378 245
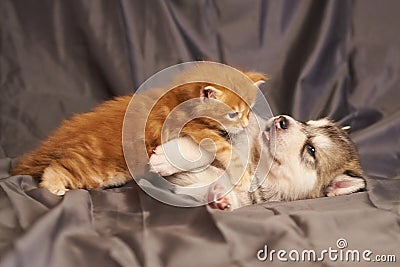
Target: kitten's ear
344 184
210 92
259 83
257 78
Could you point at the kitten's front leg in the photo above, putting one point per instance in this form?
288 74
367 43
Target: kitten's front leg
179 155
226 156
232 163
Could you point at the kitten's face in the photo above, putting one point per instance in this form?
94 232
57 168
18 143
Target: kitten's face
237 118
226 108
229 109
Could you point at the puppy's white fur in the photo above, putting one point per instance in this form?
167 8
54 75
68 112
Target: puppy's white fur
306 160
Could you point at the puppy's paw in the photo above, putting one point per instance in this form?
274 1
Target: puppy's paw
218 198
160 164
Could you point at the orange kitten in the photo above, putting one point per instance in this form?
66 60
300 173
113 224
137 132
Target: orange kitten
86 151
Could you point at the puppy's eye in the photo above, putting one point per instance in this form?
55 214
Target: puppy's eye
232 115
310 150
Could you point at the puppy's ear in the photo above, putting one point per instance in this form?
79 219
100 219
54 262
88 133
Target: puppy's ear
210 92
257 78
344 184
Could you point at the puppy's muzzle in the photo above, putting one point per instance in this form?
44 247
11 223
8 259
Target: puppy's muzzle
280 123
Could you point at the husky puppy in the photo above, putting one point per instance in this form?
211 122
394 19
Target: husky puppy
288 159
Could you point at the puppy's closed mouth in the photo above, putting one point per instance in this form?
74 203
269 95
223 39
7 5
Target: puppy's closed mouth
267 133
267 140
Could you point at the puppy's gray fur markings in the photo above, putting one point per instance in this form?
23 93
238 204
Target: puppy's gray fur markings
289 159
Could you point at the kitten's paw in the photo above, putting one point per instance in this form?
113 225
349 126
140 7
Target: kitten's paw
51 179
58 191
160 164
217 199
55 188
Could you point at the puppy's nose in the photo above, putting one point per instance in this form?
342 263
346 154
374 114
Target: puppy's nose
281 123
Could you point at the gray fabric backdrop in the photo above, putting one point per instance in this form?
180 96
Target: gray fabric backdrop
325 58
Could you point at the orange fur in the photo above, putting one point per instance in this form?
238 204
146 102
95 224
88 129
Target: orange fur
86 150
